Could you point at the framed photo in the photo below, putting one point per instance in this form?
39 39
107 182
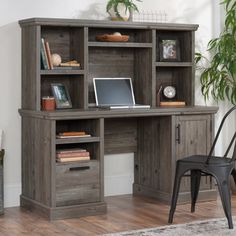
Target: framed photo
61 96
169 50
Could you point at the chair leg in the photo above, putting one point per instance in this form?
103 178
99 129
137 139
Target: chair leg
233 173
195 183
224 190
178 175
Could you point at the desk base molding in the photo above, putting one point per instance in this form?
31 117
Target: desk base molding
64 212
185 197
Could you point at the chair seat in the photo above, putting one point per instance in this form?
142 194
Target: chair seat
201 159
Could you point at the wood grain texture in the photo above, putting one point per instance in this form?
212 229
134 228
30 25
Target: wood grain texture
124 213
30 44
75 185
120 136
36 159
194 137
107 24
63 192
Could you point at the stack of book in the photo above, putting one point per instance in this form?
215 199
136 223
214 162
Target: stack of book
70 155
46 59
73 134
69 65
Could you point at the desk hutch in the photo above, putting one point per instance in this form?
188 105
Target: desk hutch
158 136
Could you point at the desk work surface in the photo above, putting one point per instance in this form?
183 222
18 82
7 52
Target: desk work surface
104 113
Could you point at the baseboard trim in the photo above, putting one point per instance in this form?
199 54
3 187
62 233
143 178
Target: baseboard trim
65 212
12 195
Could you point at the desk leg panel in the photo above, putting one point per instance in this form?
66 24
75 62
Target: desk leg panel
153 158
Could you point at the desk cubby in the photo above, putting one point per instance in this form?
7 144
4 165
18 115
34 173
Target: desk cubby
61 190
177 76
74 83
135 35
184 40
68 42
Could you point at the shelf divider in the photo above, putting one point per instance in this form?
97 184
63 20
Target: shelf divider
120 44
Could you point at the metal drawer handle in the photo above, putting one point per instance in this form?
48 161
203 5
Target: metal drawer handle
178 133
79 168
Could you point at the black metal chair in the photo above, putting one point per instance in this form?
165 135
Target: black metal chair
219 167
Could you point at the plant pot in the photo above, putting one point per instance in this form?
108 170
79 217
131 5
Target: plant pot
124 14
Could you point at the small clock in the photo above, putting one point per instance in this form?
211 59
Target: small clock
169 92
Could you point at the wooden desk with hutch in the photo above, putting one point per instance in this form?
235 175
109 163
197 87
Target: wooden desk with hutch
158 136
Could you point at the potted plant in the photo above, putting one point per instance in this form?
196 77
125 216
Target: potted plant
218 77
121 9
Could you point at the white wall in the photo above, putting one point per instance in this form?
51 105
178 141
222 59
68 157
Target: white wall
203 12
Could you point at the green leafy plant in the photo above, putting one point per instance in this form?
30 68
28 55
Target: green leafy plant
218 78
129 6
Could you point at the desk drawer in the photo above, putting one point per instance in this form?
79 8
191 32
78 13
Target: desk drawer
77 183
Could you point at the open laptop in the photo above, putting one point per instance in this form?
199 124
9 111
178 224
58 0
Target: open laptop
115 93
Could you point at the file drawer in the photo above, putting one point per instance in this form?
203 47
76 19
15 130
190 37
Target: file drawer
77 183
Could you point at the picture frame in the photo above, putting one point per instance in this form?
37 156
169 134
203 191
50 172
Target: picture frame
169 49
61 95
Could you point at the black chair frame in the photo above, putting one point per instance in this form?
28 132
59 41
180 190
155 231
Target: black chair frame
221 168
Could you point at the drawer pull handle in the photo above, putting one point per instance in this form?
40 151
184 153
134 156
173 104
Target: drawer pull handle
178 133
79 168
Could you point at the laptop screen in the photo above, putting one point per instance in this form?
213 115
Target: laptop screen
113 91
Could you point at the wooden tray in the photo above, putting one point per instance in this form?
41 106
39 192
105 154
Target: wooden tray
112 38
173 103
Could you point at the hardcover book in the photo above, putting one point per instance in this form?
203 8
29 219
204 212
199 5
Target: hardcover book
70 159
73 154
44 59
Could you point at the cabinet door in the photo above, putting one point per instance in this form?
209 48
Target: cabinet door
193 136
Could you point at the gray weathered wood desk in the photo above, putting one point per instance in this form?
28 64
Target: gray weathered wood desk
158 137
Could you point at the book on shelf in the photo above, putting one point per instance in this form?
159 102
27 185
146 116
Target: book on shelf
71 159
73 154
44 59
70 150
73 63
48 53
66 67
73 134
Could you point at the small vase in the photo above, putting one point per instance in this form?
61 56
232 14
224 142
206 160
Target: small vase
124 14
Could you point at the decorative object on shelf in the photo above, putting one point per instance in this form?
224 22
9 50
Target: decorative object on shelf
169 50
169 92
115 37
61 96
72 63
150 16
56 59
173 103
158 98
218 74
121 9
166 96
48 103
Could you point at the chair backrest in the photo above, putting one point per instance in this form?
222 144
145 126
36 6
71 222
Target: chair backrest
217 136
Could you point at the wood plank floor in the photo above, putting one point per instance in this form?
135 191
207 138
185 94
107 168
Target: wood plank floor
124 213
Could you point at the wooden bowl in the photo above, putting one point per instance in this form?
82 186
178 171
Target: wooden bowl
112 38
